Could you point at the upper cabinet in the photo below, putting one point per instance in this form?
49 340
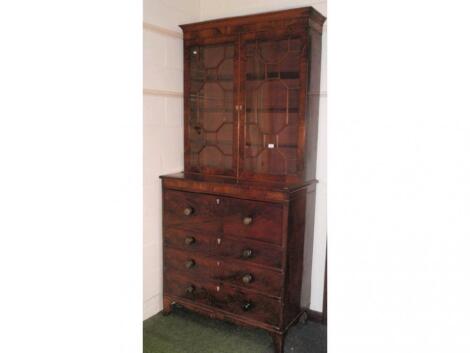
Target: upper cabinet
251 95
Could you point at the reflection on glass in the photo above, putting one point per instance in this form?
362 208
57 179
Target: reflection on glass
272 106
211 108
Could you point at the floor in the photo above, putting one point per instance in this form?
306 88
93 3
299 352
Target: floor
186 332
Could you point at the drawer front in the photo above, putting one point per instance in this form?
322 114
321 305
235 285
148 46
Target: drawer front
191 211
249 252
255 220
191 264
227 298
188 240
195 265
246 276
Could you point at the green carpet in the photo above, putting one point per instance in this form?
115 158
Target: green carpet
186 332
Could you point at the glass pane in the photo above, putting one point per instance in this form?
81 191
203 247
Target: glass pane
272 106
211 107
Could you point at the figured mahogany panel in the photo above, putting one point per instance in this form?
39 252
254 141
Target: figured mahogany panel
204 211
231 248
250 277
238 188
192 264
190 240
223 297
254 220
199 265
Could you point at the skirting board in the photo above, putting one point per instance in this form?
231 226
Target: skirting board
316 316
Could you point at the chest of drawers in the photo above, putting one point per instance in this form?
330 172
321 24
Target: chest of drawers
234 252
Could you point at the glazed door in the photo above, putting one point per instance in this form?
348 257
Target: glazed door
210 93
273 93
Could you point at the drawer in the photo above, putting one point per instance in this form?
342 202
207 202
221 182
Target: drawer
242 275
196 265
188 240
191 264
224 297
191 210
255 220
249 251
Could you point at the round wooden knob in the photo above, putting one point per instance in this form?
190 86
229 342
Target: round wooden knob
190 264
189 240
247 220
190 289
247 253
188 211
247 279
247 306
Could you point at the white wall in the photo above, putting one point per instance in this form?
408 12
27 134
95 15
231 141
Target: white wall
163 124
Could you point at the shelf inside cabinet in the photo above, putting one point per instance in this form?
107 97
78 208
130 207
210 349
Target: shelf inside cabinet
283 75
248 110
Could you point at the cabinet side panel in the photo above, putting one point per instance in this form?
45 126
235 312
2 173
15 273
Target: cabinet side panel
187 150
164 228
295 257
313 102
308 250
